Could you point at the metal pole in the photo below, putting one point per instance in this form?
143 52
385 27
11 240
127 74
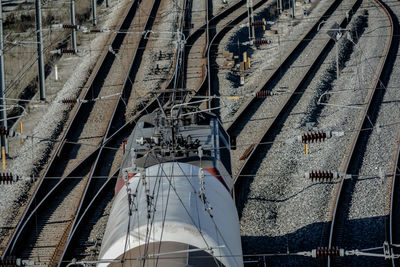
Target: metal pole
337 60
107 3
73 33
251 19
293 8
281 6
277 6
40 50
209 102
3 113
94 21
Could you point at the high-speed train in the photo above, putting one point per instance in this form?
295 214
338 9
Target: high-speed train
174 201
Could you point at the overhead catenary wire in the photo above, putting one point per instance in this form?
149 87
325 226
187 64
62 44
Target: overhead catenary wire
347 253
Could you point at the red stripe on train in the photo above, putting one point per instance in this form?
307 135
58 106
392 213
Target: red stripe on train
214 172
120 183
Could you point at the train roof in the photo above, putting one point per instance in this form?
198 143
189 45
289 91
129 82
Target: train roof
159 138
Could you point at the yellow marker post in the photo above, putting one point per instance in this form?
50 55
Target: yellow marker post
306 148
233 98
248 63
21 131
3 155
245 57
263 20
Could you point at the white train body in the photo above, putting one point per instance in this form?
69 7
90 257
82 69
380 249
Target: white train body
176 212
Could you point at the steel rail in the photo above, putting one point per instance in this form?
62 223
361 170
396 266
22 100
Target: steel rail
98 197
279 116
116 42
362 124
393 196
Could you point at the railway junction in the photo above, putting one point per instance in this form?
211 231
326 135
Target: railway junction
306 90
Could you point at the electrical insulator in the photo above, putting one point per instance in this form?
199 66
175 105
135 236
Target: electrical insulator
263 94
258 23
68 101
8 178
4 131
261 41
324 252
313 136
63 51
321 175
69 26
9 261
67 51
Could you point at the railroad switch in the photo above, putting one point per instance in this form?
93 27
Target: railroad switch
321 175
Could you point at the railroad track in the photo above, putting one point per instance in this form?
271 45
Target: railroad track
196 56
222 29
285 62
95 199
195 46
344 192
72 190
284 186
249 112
